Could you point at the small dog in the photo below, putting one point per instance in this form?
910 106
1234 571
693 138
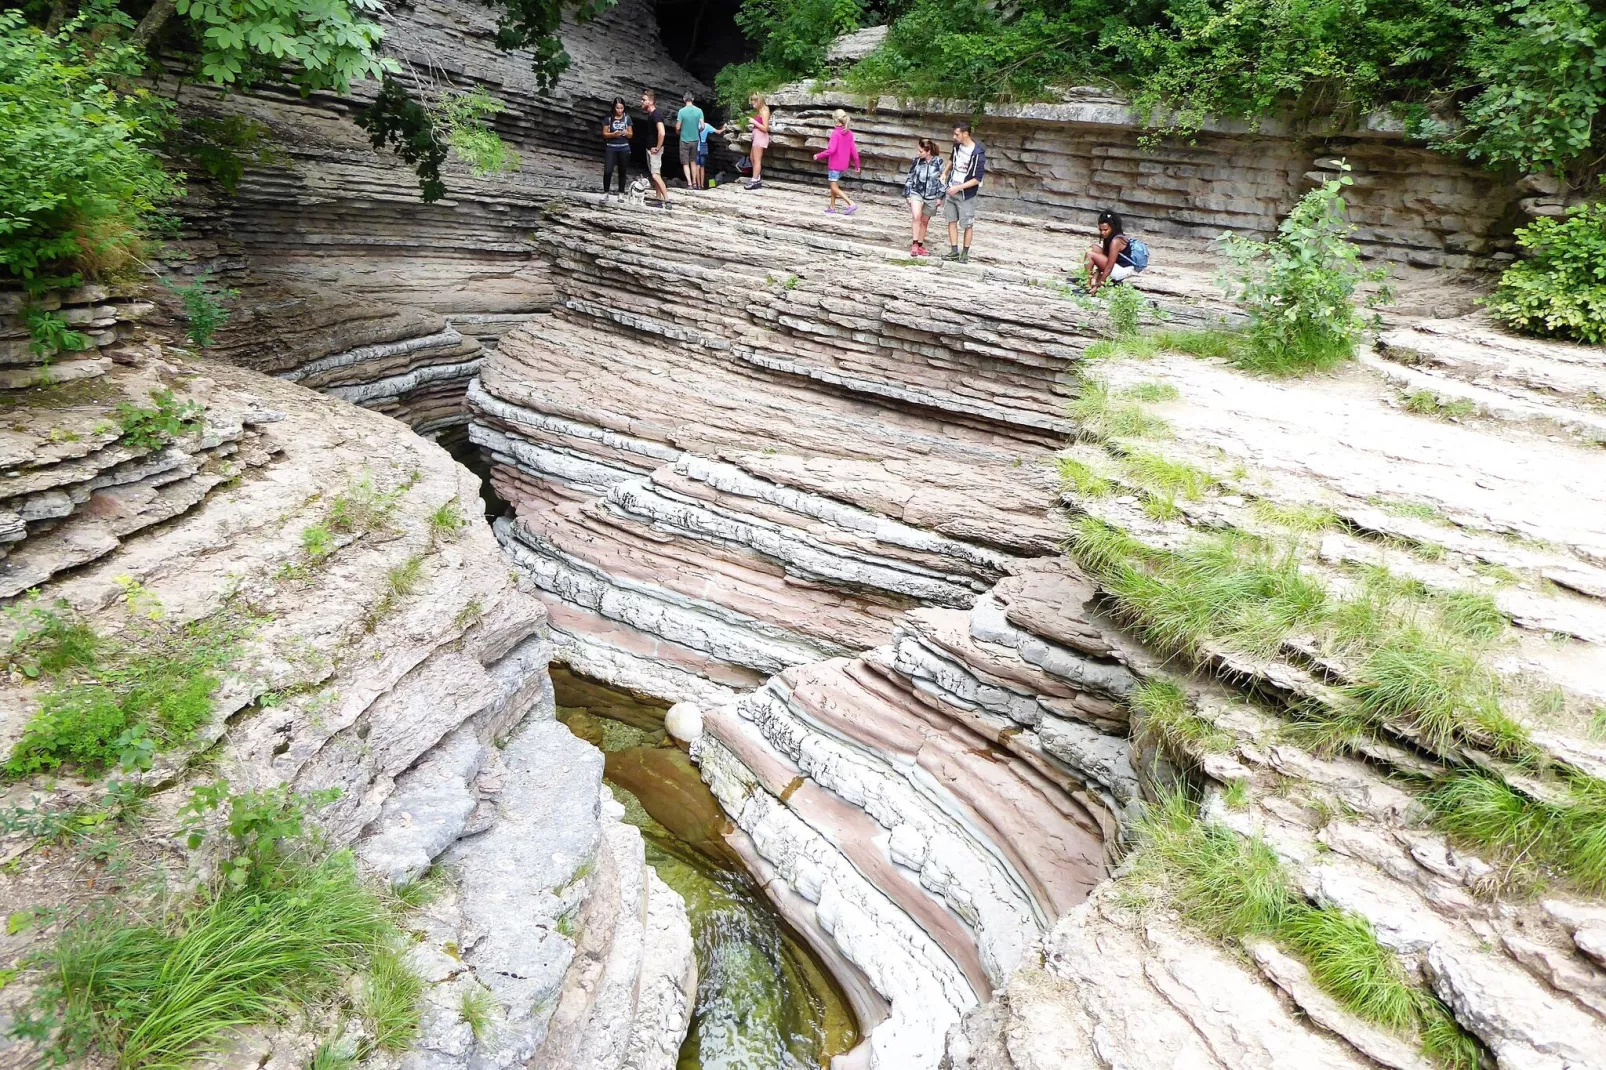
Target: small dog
637 197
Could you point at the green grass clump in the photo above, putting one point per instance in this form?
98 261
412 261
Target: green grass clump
1202 343
389 1003
404 578
1098 414
1161 476
1442 689
363 507
1427 403
156 677
1230 588
476 1008
49 639
1163 718
447 521
1152 392
1304 519
1537 838
1079 476
1236 888
159 992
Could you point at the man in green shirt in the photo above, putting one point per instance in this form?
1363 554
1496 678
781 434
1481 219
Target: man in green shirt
687 121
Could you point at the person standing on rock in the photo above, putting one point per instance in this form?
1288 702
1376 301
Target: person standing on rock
616 133
966 168
761 138
923 189
689 122
655 152
840 152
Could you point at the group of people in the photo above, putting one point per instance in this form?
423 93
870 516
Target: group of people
933 183
692 129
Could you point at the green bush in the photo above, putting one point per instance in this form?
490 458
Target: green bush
1525 79
79 184
1559 291
203 308
791 38
1299 287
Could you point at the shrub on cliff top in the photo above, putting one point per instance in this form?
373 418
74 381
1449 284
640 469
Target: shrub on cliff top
79 184
1559 291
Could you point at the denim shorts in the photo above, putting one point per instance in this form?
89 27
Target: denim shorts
834 176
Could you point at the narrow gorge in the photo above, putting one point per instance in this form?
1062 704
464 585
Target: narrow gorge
758 642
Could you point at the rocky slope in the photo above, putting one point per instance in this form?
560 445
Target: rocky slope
161 499
810 486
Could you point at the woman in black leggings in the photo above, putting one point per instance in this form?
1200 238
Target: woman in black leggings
616 131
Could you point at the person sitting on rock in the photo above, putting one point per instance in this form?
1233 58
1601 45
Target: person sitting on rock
616 134
966 168
840 152
1109 261
655 151
923 189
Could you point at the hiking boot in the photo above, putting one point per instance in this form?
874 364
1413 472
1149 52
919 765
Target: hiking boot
951 256
964 256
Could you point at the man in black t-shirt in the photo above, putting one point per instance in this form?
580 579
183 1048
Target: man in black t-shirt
655 150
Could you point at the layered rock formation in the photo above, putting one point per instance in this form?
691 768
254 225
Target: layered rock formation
806 486
355 286
1086 151
156 498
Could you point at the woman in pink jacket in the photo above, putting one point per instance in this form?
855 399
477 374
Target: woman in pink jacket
840 152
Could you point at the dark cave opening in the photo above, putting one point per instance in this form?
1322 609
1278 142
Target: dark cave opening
702 36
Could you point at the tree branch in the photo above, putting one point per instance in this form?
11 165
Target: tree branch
153 20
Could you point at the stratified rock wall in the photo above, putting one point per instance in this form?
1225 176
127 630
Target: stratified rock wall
385 651
355 286
1072 158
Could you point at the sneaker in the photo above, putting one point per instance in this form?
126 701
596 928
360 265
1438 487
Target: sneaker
950 256
830 211
964 256
850 209
754 185
921 250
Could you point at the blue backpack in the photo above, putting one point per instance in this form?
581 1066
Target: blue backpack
1137 253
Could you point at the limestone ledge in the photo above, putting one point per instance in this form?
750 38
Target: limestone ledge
1073 157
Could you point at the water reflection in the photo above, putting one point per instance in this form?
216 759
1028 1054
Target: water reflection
763 1002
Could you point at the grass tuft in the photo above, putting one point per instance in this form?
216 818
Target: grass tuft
1098 414
389 1002
1152 392
1162 477
447 521
1304 519
477 1007
160 992
1080 477
1566 840
1162 718
1236 888
404 578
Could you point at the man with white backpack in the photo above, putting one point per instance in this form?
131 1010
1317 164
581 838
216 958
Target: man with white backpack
1116 257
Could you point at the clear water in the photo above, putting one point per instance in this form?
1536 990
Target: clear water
763 1001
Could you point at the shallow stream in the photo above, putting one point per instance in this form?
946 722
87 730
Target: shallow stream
763 1001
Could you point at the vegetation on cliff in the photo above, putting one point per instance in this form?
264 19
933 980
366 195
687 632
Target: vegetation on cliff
1508 82
88 165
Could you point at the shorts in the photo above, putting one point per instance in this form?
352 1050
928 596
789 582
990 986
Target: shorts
961 210
655 162
1121 272
834 176
761 140
702 159
929 206
688 153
